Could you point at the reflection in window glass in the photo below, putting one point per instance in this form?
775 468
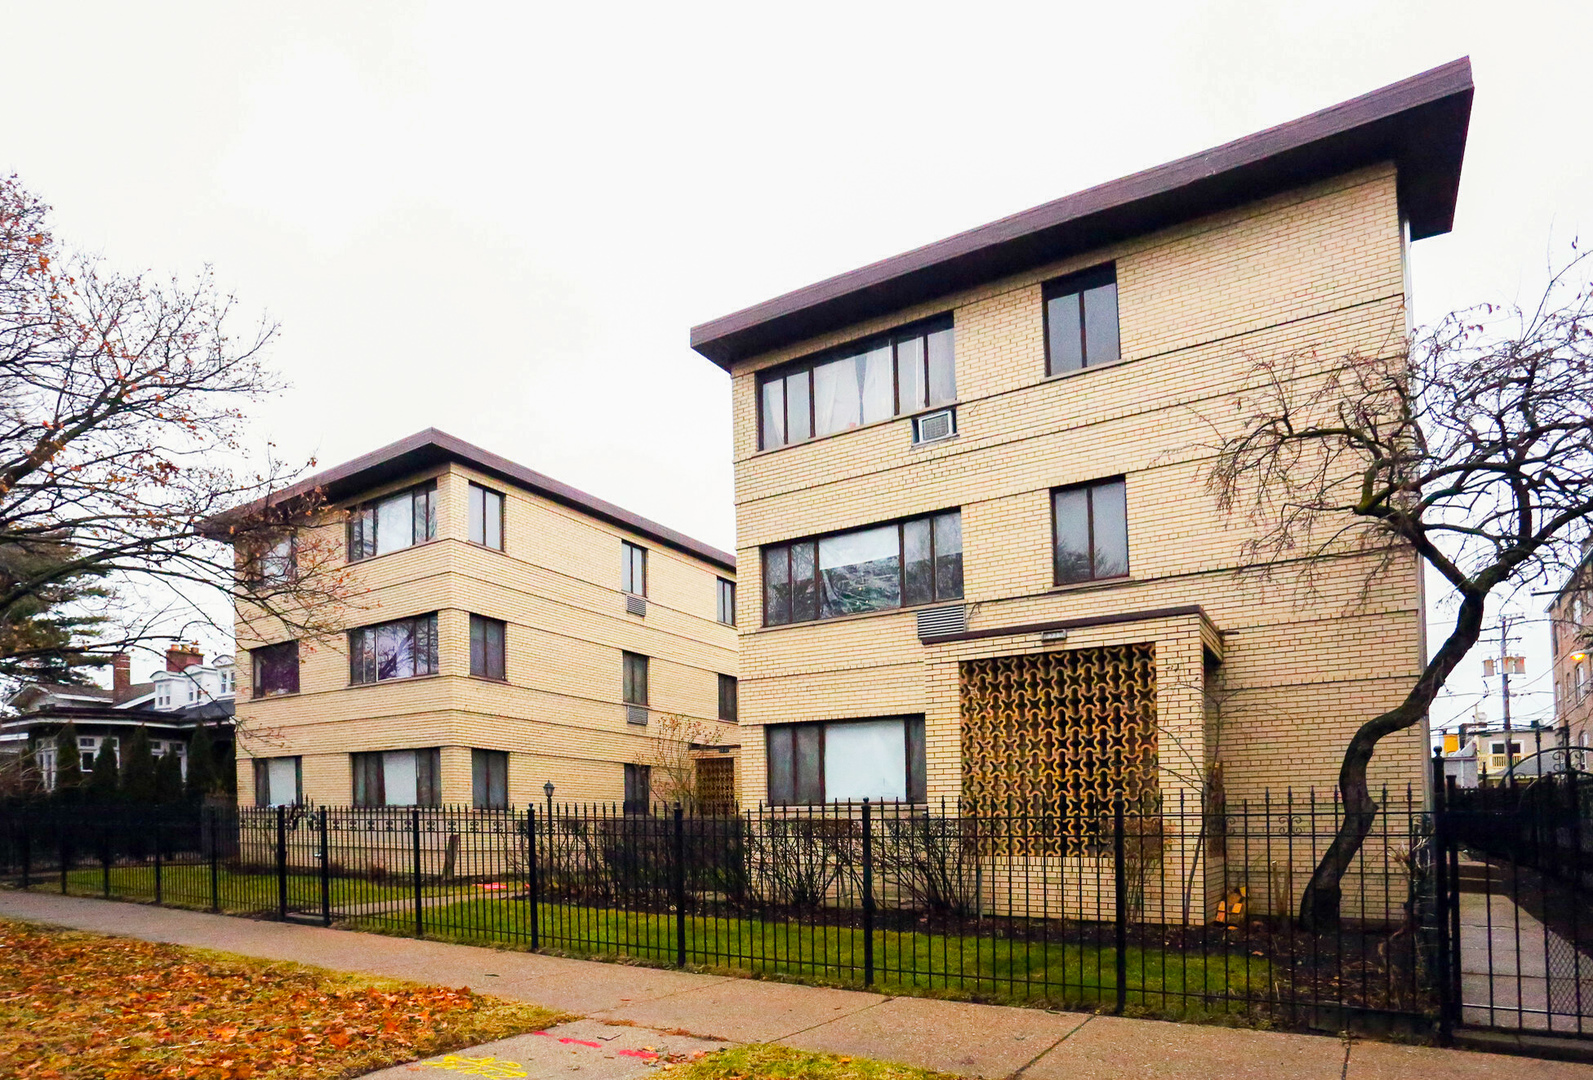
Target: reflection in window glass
918 567
860 571
393 650
393 523
486 517
917 561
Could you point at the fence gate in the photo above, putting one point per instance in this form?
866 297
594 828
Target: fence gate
1515 898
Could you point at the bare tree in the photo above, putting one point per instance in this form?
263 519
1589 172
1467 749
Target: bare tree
671 757
1470 445
122 438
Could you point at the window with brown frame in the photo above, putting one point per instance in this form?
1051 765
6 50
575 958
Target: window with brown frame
727 602
487 647
1089 525
397 778
489 779
638 788
1081 320
902 564
633 568
393 522
399 649
633 678
846 761
486 517
276 669
727 698
894 374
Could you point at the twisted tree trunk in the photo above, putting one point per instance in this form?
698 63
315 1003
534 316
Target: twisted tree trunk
1319 906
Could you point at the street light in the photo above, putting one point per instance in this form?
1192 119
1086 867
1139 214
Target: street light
547 789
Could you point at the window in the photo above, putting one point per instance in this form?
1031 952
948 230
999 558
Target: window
1081 321
727 698
276 670
861 383
486 647
1579 676
486 517
89 747
229 681
44 757
163 690
727 602
634 678
489 779
393 523
918 561
393 650
846 761
396 778
278 781
633 568
277 563
1089 526
638 788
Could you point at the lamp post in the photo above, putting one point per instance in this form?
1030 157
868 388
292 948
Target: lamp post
547 789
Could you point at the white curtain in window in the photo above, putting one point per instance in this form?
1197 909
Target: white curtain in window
865 760
398 777
395 523
282 780
875 384
836 402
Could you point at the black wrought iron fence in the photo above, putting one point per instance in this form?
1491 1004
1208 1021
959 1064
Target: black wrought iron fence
1169 907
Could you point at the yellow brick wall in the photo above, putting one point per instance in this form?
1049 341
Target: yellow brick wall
1312 274
559 713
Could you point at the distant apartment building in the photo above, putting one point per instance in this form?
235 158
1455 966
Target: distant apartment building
503 632
978 558
1570 640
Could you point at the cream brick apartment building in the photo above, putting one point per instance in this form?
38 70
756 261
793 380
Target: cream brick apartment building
502 631
978 559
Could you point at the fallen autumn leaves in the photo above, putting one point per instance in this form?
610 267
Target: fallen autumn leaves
76 1006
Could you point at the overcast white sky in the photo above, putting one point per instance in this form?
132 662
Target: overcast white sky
502 219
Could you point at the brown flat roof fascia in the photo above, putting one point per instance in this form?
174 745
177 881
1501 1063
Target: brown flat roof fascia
1420 124
431 447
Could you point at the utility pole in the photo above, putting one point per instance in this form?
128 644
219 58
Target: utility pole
1506 666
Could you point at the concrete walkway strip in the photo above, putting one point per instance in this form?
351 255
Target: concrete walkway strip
986 1041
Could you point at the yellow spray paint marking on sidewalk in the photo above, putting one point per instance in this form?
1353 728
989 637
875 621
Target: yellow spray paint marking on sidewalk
484 1066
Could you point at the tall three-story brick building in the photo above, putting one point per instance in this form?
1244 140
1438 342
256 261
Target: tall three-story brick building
978 557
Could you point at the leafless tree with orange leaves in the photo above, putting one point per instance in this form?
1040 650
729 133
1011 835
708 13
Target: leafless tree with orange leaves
122 440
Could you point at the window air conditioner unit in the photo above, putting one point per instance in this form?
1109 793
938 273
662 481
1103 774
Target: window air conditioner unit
932 427
636 714
635 605
941 622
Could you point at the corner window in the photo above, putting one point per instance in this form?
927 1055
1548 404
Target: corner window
276 670
486 517
862 383
486 647
277 563
638 788
633 568
1089 525
727 602
396 778
846 761
393 650
393 523
278 781
634 678
727 698
1081 320
917 561
489 779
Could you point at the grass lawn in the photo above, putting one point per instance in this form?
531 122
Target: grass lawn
760 1062
77 1006
188 885
1161 980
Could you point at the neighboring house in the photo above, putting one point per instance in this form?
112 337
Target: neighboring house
1570 639
1488 755
502 631
978 559
189 692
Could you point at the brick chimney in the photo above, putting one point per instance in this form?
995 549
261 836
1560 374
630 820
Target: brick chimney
121 676
181 656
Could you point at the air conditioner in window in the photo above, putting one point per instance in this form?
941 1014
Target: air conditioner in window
636 714
934 426
635 605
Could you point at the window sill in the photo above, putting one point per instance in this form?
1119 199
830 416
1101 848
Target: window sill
390 682
898 418
834 619
472 543
399 551
1090 586
1119 362
266 697
479 678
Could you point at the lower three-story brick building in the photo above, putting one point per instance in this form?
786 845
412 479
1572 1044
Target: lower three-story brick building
502 632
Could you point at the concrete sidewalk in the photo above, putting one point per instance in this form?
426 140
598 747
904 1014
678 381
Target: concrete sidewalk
971 1040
